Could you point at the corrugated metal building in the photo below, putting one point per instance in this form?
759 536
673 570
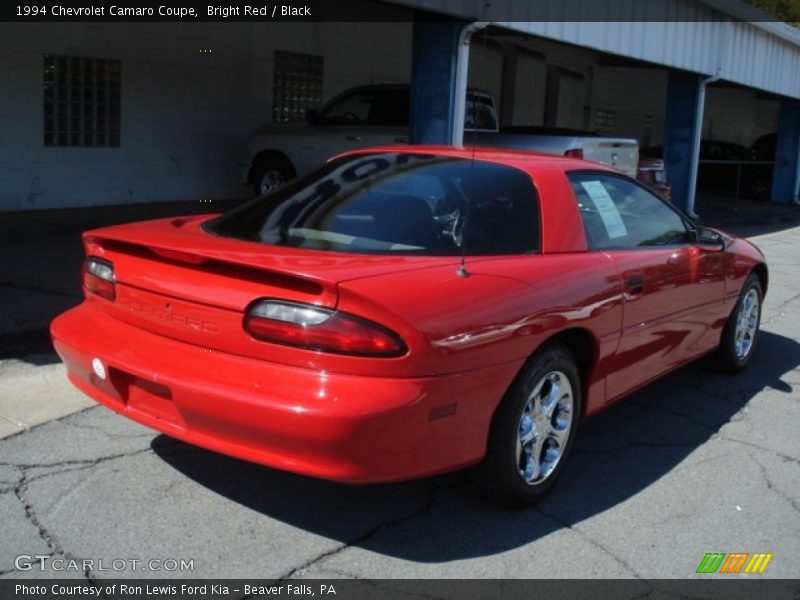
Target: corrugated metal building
697 42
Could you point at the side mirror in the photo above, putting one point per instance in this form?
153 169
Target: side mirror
710 239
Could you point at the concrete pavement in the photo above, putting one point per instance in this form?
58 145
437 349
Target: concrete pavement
32 396
695 463
40 278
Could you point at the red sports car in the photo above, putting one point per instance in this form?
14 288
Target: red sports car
405 311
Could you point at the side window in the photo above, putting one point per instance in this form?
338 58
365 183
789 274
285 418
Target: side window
618 213
351 109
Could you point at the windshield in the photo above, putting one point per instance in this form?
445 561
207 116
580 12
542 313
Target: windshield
395 203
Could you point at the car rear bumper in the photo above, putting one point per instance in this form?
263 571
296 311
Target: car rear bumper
334 426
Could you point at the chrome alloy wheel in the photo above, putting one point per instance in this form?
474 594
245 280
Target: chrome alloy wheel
271 180
544 427
746 324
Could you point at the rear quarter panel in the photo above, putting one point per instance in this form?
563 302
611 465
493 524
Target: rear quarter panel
499 314
506 307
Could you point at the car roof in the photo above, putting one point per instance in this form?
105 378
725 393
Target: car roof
518 158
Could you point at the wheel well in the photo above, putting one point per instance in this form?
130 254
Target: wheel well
267 155
763 276
582 345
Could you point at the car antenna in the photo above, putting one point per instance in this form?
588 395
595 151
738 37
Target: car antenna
462 267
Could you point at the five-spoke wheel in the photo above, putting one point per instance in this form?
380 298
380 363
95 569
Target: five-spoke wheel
534 427
747 323
544 427
741 330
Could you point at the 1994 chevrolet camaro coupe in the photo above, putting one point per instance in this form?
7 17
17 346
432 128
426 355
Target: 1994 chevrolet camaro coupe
405 311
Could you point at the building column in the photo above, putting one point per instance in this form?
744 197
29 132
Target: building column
434 68
683 123
508 85
787 153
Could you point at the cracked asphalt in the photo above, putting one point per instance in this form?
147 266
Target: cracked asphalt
697 462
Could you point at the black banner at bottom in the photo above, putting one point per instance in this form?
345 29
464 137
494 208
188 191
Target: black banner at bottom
720 588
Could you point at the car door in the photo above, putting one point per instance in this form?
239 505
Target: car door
672 288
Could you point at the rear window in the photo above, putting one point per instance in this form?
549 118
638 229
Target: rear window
395 203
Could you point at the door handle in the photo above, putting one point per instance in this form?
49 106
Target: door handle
401 139
353 137
634 285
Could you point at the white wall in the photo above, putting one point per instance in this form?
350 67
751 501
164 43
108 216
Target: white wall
486 67
529 90
632 94
530 87
738 115
186 115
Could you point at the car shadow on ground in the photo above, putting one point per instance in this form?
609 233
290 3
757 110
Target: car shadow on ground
619 453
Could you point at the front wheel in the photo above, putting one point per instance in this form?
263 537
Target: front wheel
534 428
741 330
270 174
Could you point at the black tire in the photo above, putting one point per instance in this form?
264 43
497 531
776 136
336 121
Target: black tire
502 478
273 169
727 357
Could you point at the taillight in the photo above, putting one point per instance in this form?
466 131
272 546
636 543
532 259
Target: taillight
98 277
574 153
314 328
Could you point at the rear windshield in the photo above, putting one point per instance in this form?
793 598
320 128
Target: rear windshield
395 203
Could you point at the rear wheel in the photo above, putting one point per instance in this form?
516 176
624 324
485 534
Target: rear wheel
741 330
534 428
270 174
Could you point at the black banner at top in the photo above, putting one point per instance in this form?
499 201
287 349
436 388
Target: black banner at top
36 11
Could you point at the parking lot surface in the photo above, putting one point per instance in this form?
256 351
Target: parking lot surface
695 463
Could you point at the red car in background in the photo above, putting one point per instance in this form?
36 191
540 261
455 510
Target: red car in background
405 311
652 172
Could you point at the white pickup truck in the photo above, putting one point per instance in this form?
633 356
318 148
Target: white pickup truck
378 115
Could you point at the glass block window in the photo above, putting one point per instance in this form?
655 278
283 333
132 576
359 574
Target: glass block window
605 121
81 101
296 85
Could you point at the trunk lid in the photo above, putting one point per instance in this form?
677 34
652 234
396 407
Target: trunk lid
175 279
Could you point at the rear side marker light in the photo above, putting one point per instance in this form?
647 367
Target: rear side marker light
99 368
98 277
314 328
